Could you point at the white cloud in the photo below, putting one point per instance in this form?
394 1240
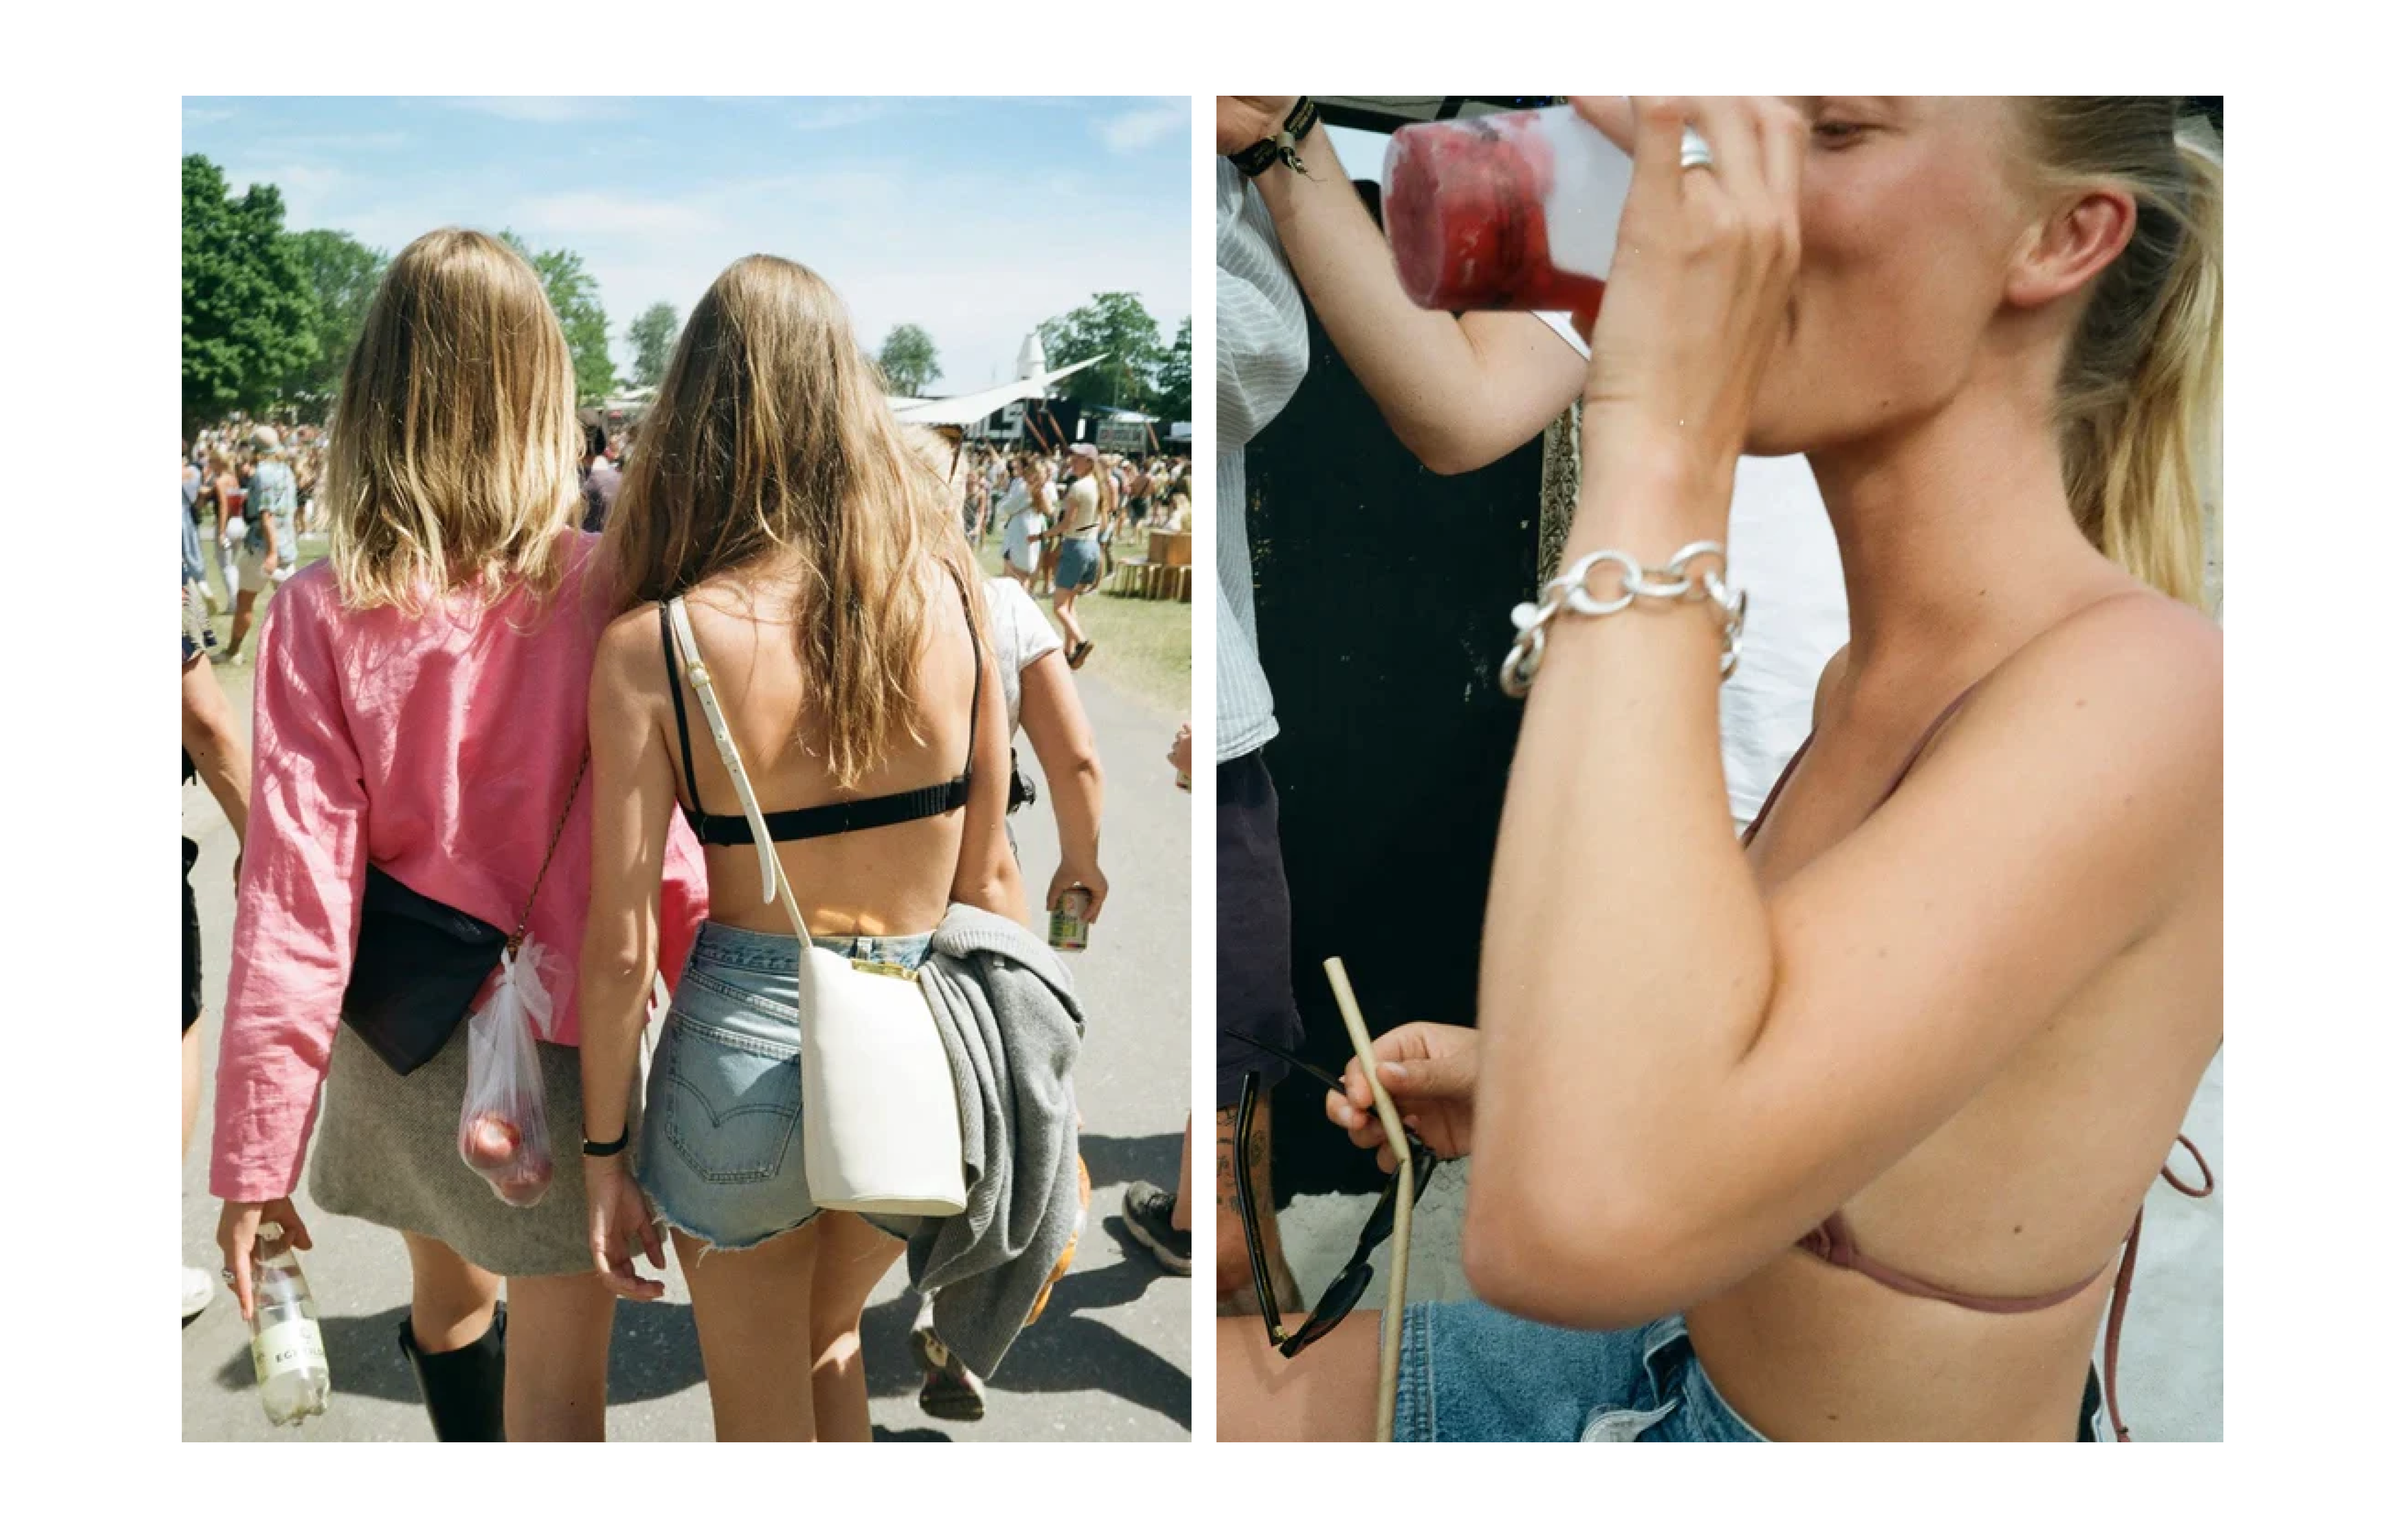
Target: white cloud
564 215
198 115
1126 133
538 109
819 117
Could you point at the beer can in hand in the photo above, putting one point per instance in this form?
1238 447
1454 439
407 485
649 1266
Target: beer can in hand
1068 929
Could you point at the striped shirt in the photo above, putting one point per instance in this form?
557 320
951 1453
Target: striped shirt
1259 337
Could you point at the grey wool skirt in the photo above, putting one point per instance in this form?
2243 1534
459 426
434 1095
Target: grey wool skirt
387 1150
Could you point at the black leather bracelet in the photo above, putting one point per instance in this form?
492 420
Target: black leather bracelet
604 1150
1261 155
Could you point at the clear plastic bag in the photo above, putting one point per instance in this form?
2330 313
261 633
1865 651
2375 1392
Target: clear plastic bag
503 1132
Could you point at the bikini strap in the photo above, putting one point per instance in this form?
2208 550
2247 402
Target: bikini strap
2123 1293
1929 732
677 697
1765 809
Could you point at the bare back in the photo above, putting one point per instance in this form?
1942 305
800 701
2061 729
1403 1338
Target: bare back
873 881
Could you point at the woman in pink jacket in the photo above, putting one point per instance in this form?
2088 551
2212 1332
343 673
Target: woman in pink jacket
420 709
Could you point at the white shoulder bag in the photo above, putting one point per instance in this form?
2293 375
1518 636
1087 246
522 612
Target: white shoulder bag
881 1127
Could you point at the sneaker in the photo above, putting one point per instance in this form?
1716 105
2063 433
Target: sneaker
1147 1207
948 1390
198 1290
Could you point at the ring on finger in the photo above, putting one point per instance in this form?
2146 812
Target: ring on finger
1696 153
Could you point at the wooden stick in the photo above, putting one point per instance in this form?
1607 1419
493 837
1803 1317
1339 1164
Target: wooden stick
1392 1318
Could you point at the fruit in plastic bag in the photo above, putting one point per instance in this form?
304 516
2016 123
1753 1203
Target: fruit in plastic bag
503 1133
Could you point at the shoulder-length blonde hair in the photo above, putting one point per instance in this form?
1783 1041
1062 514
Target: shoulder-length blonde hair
770 435
451 459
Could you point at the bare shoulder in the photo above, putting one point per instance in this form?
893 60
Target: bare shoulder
2124 697
628 656
2140 652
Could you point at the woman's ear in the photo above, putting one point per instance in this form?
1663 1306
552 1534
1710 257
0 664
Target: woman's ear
2081 234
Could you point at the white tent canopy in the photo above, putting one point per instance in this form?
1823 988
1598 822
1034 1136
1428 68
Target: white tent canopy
967 411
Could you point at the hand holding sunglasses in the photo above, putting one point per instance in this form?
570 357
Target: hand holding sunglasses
1410 1164
1430 1071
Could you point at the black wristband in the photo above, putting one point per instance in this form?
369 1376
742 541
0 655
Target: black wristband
604 1150
1261 155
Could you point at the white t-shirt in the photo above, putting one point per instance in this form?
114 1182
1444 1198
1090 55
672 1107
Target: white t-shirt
1784 553
1018 630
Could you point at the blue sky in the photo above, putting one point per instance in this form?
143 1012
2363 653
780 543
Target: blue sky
975 217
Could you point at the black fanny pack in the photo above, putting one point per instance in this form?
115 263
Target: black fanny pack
420 963
418 968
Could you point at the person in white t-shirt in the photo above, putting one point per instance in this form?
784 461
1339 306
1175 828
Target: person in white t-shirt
1461 392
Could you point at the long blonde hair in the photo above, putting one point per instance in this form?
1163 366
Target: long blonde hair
2142 380
770 435
452 458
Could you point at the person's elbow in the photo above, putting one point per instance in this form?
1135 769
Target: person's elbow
1447 443
615 962
1562 1252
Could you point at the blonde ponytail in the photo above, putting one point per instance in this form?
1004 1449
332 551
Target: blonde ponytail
2142 380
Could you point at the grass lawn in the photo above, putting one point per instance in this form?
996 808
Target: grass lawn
1142 645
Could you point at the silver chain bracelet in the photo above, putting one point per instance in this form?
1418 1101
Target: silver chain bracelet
1672 580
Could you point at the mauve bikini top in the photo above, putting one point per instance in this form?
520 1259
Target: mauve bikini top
1831 1239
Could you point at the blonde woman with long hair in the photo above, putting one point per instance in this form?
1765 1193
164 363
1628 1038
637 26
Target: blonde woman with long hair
420 724
1840 1130
835 604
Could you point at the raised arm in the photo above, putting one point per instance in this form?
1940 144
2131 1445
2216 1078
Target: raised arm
1694 1075
1459 392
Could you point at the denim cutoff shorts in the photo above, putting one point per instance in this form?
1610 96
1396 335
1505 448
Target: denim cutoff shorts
1081 563
1468 1372
721 1151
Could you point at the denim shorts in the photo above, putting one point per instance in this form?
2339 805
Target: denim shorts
1081 562
1468 1372
721 1151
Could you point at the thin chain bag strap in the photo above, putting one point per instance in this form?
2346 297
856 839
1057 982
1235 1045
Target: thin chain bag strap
526 914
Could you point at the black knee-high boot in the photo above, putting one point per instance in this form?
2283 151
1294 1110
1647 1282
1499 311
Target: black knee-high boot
463 1389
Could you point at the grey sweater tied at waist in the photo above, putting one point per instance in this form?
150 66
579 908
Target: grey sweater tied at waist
1011 1027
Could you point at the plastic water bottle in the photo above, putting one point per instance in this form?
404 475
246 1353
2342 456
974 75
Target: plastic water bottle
286 1349
1517 210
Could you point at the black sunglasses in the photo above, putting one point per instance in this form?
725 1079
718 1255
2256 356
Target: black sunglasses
1342 1294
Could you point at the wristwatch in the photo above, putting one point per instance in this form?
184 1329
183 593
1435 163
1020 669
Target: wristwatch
1261 155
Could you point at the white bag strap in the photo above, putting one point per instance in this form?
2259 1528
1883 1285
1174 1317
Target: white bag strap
773 882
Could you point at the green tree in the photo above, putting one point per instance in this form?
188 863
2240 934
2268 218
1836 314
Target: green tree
343 276
577 299
908 358
653 336
1173 389
1117 326
250 318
